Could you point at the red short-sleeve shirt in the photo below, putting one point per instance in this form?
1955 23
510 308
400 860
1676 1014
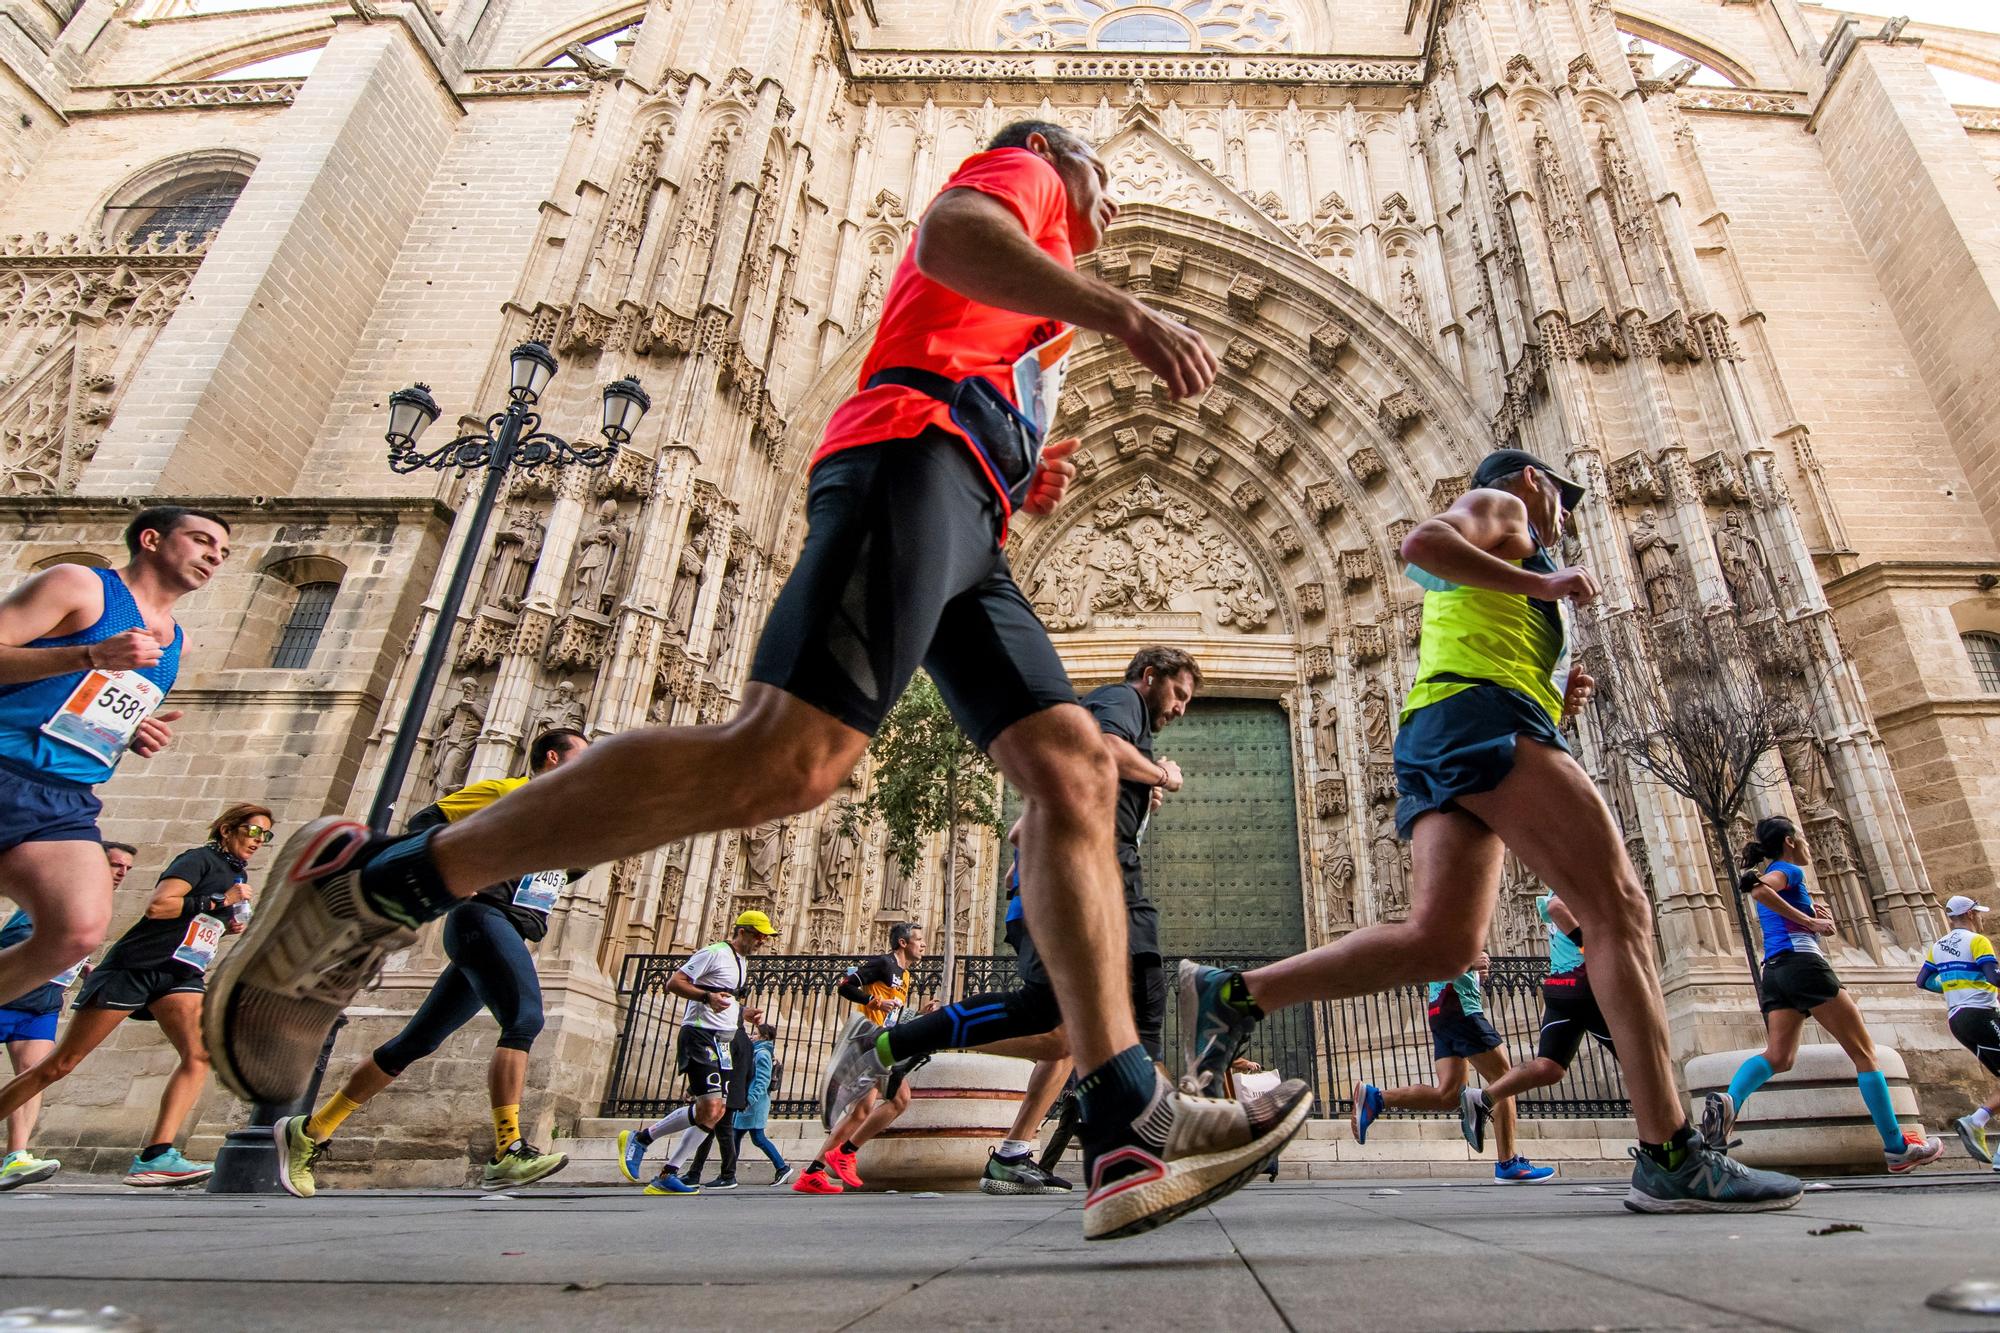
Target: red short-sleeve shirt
928 325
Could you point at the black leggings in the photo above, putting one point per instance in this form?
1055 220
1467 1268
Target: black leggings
979 1020
492 969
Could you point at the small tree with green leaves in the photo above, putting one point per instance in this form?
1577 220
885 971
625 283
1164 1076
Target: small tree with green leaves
930 779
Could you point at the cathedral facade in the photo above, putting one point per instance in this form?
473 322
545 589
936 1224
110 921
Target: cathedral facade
1735 263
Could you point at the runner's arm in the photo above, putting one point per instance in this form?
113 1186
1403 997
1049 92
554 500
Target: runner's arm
1766 893
1132 765
1928 978
685 986
1475 542
58 596
1565 920
169 898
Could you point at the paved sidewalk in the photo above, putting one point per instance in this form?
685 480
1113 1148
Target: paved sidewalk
1308 1255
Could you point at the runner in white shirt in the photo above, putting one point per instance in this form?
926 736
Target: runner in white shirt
1962 967
711 982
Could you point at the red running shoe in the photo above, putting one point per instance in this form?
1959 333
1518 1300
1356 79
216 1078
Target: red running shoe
843 1166
815 1182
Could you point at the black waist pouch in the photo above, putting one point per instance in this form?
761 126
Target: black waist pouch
1010 443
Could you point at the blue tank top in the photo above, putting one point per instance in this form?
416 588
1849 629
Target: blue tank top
25 707
1781 935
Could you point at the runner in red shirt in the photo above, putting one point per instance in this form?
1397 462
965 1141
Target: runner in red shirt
902 566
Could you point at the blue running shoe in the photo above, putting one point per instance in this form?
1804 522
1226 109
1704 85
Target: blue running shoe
1368 1103
1521 1171
632 1145
669 1182
168 1169
1473 1113
1213 1031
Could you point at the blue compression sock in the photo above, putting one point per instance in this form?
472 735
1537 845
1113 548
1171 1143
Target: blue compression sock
1751 1075
1875 1091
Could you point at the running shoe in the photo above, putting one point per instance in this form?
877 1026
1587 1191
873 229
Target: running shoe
632 1145
816 1182
720 1183
313 943
1971 1135
842 1165
786 1177
1019 1175
24 1168
1185 1152
1718 1121
1213 1032
297 1152
1473 1113
169 1168
669 1182
522 1164
1917 1151
855 1071
1708 1181
1521 1171
1368 1104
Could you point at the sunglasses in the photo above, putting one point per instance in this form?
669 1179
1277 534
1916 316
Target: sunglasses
255 834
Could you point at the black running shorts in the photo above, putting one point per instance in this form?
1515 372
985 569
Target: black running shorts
1149 986
902 568
1569 1014
700 1055
1462 1036
134 989
1978 1030
1795 980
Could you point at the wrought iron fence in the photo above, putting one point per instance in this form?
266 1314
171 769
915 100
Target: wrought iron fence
1382 1039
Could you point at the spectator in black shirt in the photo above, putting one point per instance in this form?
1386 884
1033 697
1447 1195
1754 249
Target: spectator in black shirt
155 972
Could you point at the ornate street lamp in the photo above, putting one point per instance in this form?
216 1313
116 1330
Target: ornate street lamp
512 439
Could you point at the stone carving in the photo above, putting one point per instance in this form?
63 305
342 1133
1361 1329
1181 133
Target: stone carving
1377 729
1242 353
515 552
1337 881
687 583
833 864
1739 99
1743 566
765 849
1366 464
1144 551
728 608
868 301
1311 598
1720 480
1357 567
1274 444
1165 269
1326 730
1310 402
1634 480
1390 869
1323 498
560 708
1658 573
1286 540
1246 292
209 93
1319 662
457 734
1369 644
532 82
1155 67
1325 343
1330 797
576 643
598 559
1246 497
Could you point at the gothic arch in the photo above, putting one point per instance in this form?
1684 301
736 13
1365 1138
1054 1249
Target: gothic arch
1732 66
280 39
550 44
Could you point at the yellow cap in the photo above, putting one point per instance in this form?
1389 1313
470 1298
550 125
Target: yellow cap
757 921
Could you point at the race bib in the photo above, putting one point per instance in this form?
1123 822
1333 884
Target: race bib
198 946
538 891
1038 379
103 712
722 1055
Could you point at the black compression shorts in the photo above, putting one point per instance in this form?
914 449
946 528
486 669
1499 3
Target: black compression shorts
1569 1014
902 568
1796 980
1978 1030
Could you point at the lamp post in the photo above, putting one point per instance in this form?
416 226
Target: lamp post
247 1162
513 438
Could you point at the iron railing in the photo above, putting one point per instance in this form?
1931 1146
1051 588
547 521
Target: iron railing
1382 1039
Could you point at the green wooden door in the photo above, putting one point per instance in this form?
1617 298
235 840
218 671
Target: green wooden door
1221 857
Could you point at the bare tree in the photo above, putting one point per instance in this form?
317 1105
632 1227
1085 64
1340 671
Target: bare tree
1695 699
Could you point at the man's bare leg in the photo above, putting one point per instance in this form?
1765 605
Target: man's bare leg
1492 1065
1455 874
1441 1094
1045 1084
643 789
65 888
1075 902
1540 1072
1549 814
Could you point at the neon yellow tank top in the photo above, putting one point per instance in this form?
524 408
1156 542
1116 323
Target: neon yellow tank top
1475 635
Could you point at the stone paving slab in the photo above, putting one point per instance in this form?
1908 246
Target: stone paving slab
1416 1254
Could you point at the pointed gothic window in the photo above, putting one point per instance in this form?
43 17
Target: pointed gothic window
1241 26
197 211
1984 650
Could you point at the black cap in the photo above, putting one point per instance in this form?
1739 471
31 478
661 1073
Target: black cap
1506 462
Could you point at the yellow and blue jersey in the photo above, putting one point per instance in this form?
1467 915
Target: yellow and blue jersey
1965 971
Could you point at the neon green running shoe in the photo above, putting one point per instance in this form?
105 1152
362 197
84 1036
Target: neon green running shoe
24 1168
522 1164
297 1153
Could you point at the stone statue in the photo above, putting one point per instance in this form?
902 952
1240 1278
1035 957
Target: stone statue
560 709
765 848
1326 731
1337 877
833 867
687 584
656 711
597 560
869 302
895 886
458 734
727 607
1743 567
1812 784
1391 872
1376 727
518 549
1657 572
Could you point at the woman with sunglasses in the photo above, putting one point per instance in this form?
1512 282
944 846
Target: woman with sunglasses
156 971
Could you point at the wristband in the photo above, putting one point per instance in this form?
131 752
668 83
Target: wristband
90 656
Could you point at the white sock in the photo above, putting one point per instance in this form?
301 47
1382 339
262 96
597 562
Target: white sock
691 1139
1981 1116
1015 1148
673 1122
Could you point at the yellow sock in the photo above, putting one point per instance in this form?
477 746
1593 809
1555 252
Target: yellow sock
506 1128
327 1119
